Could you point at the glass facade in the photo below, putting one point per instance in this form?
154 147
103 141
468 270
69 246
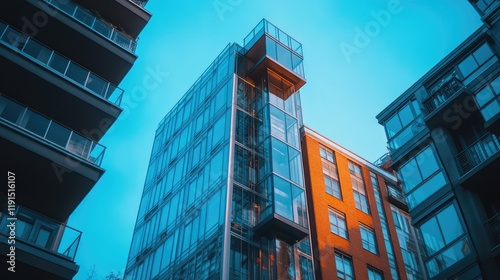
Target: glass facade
385 227
445 240
408 242
224 195
422 176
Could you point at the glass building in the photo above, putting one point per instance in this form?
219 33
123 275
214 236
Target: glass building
224 195
443 134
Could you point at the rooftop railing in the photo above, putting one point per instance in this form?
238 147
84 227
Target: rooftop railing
55 133
478 152
275 32
100 26
59 64
43 232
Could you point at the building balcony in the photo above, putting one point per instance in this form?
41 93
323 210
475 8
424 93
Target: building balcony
397 197
130 15
70 70
57 166
444 99
57 86
100 26
43 246
91 40
40 126
493 227
480 162
270 48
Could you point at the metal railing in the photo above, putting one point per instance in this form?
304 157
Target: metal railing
478 152
59 64
441 93
493 225
43 232
396 193
103 28
140 3
45 128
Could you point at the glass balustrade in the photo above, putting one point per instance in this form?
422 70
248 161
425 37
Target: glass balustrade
45 128
60 64
98 25
42 232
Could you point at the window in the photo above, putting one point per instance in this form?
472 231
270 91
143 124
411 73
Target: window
404 124
488 99
326 154
332 186
444 239
331 177
421 176
482 5
359 188
374 274
368 237
338 223
344 266
477 61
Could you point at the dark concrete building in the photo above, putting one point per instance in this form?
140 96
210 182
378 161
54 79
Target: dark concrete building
61 64
443 134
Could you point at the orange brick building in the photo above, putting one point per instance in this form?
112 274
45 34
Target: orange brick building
357 216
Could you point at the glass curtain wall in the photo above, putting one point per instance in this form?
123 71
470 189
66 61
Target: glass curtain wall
179 227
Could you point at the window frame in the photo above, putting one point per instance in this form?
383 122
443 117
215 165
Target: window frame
338 216
344 258
370 231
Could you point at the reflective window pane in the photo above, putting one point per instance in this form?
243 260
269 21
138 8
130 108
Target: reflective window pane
282 198
449 222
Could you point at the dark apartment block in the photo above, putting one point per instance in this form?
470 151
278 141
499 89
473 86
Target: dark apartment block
61 64
443 133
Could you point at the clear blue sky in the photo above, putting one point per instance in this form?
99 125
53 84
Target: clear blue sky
349 81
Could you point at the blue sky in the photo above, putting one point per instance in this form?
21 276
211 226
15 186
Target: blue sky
351 77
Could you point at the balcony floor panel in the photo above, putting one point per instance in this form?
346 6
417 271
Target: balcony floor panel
48 180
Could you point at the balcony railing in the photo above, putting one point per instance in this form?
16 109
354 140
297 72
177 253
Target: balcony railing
42 232
442 92
275 32
59 64
396 193
478 152
140 3
55 133
105 29
493 225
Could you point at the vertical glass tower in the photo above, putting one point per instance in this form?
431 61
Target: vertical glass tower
224 195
